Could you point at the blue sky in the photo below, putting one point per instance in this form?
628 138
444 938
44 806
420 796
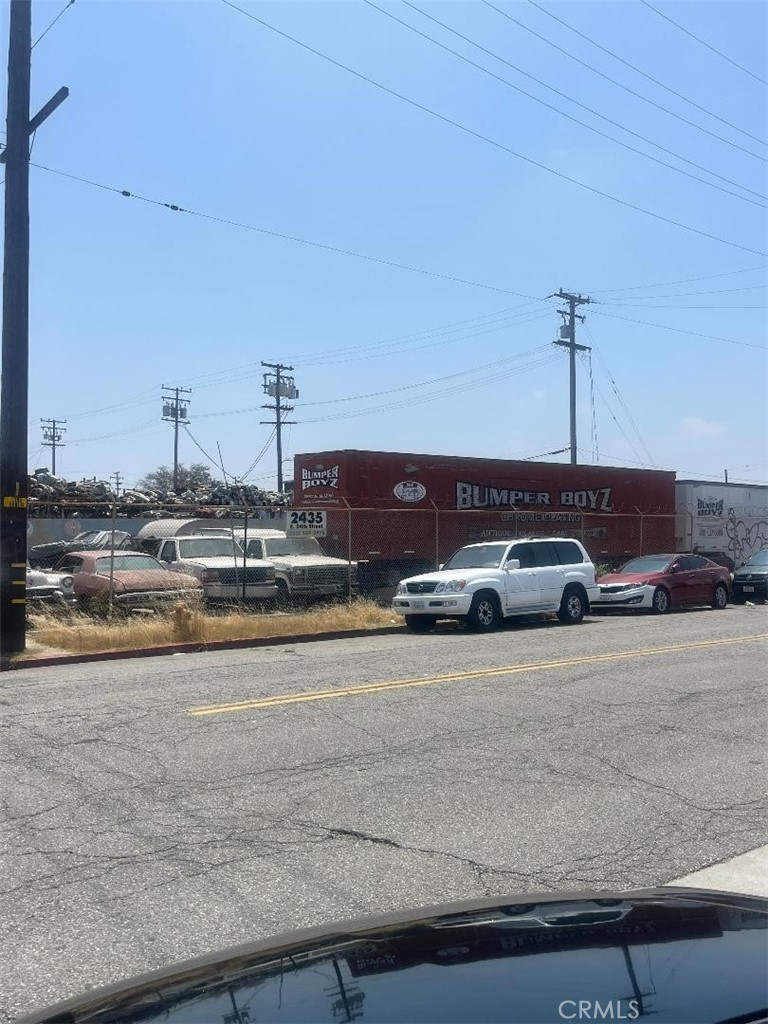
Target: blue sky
195 104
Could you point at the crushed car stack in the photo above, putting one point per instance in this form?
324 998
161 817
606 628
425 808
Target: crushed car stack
53 496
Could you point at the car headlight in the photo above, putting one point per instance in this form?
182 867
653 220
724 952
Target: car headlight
454 586
440 588
298 574
401 588
66 582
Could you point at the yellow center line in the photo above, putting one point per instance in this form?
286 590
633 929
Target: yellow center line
508 670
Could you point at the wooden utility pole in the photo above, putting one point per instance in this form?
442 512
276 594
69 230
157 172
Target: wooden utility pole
175 412
278 386
15 344
569 341
53 431
14 389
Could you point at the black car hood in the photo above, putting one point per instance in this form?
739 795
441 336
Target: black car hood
678 954
753 571
53 545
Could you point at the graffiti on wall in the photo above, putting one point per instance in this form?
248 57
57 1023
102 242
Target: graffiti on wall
745 537
736 530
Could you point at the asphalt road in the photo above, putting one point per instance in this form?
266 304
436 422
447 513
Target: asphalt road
331 780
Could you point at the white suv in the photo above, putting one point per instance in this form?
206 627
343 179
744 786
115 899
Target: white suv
485 583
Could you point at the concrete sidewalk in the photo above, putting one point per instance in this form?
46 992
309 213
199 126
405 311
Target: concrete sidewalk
746 874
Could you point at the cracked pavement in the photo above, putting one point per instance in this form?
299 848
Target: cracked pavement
134 835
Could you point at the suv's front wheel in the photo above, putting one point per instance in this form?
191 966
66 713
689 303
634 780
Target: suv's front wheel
484 612
573 607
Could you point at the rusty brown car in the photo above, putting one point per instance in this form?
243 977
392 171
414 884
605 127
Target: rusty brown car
138 580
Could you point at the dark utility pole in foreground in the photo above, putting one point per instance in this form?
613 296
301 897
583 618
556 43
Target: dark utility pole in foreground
15 369
53 431
175 412
568 332
14 390
278 386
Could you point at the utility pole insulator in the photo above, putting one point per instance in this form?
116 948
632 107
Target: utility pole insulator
568 340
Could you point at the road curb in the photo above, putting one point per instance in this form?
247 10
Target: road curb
194 648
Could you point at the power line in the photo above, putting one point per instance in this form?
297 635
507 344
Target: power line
576 120
139 428
45 33
613 416
667 469
459 389
620 397
292 238
685 280
542 455
260 456
645 74
484 138
651 305
199 447
404 387
620 85
384 348
444 339
229 412
707 291
129 403
237 373
681 330
595 445
703 42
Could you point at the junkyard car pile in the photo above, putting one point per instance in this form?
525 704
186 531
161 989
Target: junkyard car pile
50 495
183 559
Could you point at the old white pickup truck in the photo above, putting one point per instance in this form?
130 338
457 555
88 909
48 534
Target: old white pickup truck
221 566
302 568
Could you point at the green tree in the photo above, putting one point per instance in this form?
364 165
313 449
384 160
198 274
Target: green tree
191 478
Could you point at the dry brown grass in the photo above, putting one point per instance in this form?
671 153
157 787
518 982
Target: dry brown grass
81 635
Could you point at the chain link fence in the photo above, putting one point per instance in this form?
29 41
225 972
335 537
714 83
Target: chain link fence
381 546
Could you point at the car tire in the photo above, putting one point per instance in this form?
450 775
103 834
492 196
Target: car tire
573 607
484 612
720 597
660 602
420 623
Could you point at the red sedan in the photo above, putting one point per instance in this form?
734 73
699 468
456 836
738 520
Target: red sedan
662 582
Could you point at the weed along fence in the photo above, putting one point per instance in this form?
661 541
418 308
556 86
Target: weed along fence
385 543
